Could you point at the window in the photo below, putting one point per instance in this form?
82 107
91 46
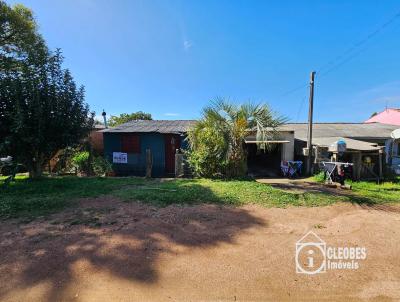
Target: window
130 143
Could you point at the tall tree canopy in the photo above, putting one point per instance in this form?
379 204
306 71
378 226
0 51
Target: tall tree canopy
19 39
127 117
41 108
217 139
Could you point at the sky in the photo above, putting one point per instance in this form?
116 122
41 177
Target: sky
171 58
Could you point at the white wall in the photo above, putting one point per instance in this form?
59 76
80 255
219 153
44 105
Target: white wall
287 148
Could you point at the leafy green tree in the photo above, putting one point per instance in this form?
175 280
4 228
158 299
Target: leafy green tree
41 108
217 139
127 117
19 38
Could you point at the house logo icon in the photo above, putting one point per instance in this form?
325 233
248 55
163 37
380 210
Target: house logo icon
310 254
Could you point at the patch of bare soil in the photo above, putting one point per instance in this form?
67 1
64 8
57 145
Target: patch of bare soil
303 186
107 250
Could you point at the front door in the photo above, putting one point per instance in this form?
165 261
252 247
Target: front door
172 142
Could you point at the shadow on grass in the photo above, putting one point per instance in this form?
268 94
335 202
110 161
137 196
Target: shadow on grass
107 235
26 197
180 192
354 197
372 203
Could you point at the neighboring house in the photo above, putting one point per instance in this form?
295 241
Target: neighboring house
162 137
96 139
390 116
363 142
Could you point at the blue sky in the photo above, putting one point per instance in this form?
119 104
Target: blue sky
170 58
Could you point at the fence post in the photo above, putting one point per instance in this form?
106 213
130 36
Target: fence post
179 168
380 165
357 165
149 163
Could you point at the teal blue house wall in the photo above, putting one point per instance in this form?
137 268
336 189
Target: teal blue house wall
137 161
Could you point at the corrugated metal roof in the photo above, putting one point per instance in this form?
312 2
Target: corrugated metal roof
157 126
350 143
320 130
350 130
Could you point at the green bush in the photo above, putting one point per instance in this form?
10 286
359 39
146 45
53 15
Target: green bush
64 161
207 155
217 139
101 166
81 160
320 176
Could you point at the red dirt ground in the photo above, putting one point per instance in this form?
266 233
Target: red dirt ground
107 250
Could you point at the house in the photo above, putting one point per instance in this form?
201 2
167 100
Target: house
366 143
125 145
96 138
390 116
368 146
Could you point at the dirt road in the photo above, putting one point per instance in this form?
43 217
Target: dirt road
106 250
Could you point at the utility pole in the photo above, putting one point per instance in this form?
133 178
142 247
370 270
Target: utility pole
310 123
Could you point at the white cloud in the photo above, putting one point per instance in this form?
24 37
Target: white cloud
171 114
187 44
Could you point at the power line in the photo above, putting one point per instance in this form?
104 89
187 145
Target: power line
294 90
342 63
342 57
355 46
300 108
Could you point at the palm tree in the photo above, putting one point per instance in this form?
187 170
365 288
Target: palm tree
227 126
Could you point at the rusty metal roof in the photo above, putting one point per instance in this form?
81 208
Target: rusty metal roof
154 126
350 130
350 143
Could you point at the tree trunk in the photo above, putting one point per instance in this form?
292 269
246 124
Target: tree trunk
35 170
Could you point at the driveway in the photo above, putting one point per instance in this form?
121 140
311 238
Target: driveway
302 185
107 250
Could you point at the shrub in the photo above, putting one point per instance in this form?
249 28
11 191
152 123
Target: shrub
81 160
217 139
320 177
207 156
101 166
64 161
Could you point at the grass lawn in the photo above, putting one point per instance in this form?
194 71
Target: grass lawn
370 192
26 197
386 192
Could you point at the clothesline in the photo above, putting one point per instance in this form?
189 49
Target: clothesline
330 166
338 162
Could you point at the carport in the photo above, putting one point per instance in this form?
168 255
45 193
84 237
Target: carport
266 162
